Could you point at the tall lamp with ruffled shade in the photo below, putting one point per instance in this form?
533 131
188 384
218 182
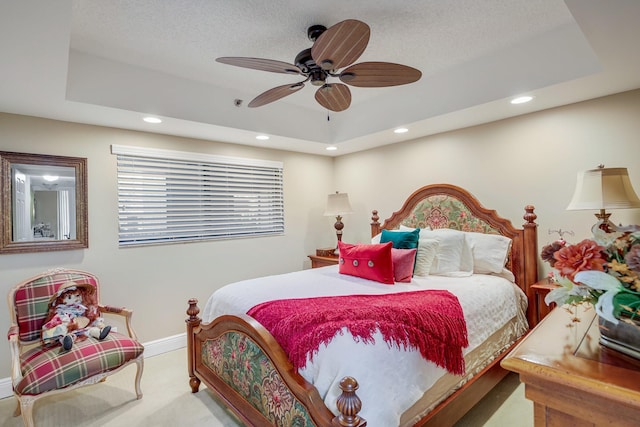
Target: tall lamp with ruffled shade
604 188
338 205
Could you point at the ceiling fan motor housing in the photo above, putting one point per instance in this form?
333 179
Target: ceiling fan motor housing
304 61
308 66
314 31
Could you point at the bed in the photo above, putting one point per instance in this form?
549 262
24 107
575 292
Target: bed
264 388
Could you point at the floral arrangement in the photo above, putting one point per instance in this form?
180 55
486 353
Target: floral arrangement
606 275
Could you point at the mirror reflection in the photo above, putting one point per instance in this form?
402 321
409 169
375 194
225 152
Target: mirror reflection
43 202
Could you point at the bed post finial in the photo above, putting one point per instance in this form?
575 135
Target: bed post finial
193 311
529 216
349 404
375 224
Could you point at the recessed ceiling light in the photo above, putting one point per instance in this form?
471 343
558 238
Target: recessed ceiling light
521 99
401 130
331 148
152 120
262 137
50 178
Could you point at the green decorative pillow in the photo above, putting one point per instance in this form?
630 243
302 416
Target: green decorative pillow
401 239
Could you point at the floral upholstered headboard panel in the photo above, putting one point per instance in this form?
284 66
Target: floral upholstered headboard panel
445 206
445 211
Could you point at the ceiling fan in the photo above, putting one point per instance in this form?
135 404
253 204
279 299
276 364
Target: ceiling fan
334 48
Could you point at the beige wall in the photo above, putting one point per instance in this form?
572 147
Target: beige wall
532 159
157 281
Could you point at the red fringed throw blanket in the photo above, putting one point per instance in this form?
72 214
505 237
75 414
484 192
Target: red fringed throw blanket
430 321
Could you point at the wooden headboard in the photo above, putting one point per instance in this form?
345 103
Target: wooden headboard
448 206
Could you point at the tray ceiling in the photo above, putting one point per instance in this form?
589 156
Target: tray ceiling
110 63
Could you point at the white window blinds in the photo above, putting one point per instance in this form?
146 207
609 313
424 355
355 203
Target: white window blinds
172 196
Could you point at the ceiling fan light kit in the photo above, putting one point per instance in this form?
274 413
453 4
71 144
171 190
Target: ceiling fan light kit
334 48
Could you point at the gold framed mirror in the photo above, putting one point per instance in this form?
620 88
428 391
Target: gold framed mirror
44 203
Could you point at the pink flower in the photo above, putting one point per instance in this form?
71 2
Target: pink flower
549 251
586 255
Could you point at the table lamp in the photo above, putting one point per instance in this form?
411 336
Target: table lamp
604 188
338 205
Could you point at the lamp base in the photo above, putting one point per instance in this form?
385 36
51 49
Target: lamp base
339 225
604 224
603 228
604 231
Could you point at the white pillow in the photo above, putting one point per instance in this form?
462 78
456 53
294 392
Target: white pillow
490 252
426 254
454 257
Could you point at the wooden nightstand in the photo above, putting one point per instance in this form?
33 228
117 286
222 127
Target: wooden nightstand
323 258
540 289
322 261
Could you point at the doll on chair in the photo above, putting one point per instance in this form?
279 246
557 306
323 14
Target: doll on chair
73 315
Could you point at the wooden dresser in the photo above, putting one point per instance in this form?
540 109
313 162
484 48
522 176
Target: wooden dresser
571 378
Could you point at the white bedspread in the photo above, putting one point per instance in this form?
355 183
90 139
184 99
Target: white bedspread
390 379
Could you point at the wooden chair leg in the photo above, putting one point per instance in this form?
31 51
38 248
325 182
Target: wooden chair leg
17 412
140 367
26 407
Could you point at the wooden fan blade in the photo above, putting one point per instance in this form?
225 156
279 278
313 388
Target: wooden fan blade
275 94
260 64
334 97
341 44
379 74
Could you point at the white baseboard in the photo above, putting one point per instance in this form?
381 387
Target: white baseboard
5 387
164 345
151 348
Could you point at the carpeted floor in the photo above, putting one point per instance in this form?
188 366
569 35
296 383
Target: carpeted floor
168 401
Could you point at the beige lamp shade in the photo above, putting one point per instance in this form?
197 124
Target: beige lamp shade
604 188
338 204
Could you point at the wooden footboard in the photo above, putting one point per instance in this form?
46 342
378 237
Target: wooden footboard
242 364
239 361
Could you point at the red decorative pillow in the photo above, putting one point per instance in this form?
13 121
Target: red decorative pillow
373 262
403 262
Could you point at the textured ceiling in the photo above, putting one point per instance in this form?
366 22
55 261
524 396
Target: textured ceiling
110 62
183 37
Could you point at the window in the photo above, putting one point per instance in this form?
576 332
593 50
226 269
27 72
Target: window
172 196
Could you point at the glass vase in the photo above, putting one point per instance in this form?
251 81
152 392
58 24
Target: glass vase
623 337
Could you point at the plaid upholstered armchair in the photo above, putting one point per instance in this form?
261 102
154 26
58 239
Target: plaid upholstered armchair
39 370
